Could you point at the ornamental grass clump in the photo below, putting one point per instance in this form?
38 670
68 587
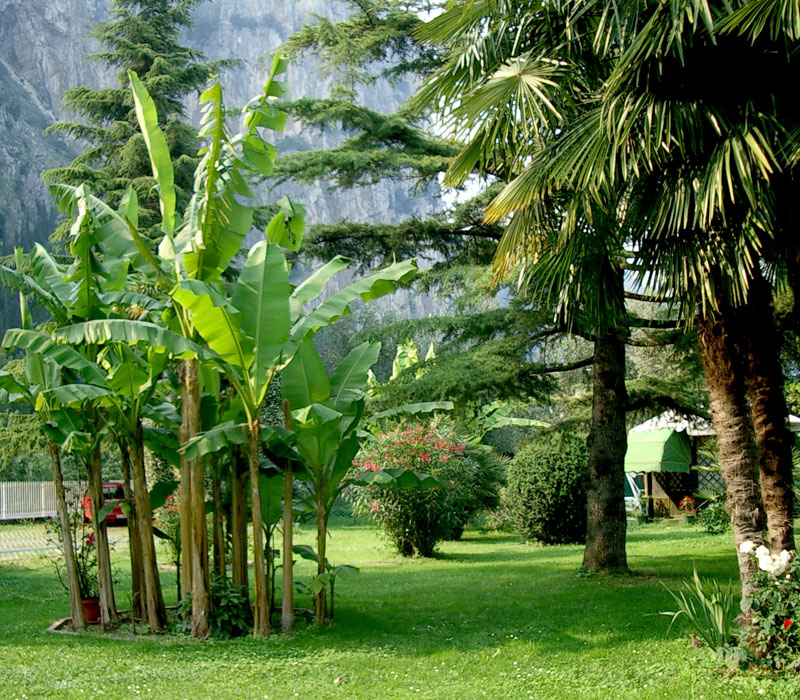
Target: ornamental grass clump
773 608
416 520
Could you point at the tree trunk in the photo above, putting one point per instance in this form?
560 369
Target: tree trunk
261 611
735 441
239 520
70 563
190 422
155 610
606 522
137 565
105 581
287 600
760 346
218 535
321 598
193 510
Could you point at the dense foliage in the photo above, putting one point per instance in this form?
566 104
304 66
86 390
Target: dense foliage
417 520
546 491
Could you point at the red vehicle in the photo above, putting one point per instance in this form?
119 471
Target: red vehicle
113 491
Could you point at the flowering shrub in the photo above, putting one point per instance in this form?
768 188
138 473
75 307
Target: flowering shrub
774 608
687 505
416 520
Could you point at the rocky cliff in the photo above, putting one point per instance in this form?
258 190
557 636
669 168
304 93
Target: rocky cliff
43 49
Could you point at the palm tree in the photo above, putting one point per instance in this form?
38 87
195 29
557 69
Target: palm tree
519 73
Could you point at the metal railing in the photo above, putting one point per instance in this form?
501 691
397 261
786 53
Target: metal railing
25 500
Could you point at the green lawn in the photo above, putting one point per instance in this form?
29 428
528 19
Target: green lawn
491 617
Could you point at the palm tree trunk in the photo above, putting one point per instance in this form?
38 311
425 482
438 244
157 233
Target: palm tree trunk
321 598
735 440
155 610
70 563
606 523
239 520
193 509
105 581
287 600
137 566
764 376
218 534
261 611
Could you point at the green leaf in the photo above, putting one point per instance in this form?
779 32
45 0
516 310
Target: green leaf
109 330
399 479
75 394
313 285
286 227
349 379
305 552
376 285
304 381
262 298
158 151
221 436
271 492
217 321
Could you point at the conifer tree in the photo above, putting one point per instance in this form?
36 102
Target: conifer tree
141 35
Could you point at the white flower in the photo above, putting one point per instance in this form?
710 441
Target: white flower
746 547
762 551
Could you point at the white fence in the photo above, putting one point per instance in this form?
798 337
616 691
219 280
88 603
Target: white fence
22 500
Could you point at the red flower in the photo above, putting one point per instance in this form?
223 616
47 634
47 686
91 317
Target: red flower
787 623
90 539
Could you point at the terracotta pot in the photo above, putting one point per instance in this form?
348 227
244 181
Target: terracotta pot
91 609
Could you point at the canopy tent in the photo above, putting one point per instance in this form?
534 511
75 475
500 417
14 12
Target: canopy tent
660 450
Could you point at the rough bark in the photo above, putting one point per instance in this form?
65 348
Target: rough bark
759 346
134 546
261 609
218 534
70 563
239 519
105 581
193 514
287 600
321 598
735 440
155 611
606 522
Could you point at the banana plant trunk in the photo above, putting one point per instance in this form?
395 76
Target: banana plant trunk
155 611
218 534
194 533
287 600
105 581
321 598
137 565
239 469
735 439
606 521
70 562
261 610
760 347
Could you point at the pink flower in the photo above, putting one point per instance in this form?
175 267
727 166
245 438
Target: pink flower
374 506
90 540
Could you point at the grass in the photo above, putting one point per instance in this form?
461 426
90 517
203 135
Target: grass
490 618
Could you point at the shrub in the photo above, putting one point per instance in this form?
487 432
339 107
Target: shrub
546 493
230 614
416 520
713 516
773 604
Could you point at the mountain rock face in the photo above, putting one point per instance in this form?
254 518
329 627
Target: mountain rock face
43 50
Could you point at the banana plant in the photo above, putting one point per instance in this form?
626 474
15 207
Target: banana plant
72 294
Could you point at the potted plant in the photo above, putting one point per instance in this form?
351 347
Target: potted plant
688 509
641 509
86 563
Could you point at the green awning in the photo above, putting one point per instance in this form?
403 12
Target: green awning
663 450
